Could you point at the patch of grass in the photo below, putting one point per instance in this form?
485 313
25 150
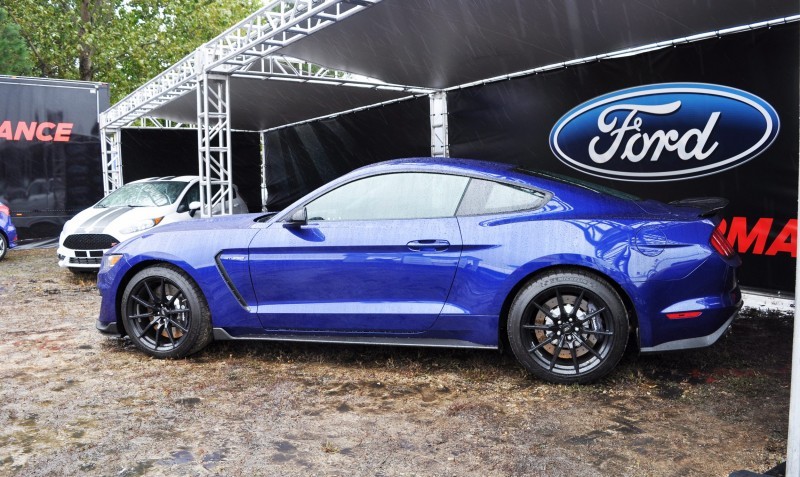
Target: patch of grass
330 448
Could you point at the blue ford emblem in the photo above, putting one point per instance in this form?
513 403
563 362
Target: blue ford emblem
665 132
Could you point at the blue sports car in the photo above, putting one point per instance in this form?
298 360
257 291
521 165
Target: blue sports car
436 252
8 233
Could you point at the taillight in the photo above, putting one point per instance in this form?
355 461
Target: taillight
5 210
683 315
721 244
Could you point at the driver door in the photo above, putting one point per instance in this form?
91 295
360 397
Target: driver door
377 254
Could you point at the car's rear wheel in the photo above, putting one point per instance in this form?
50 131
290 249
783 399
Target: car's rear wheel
3 246
165 314
568 327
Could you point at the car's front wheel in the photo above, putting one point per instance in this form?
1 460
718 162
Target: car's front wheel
568 327
165 314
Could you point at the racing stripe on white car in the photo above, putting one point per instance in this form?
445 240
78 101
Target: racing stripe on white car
102 220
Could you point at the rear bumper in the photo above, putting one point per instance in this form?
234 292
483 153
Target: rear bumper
697 342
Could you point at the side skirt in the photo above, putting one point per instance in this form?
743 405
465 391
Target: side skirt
221 335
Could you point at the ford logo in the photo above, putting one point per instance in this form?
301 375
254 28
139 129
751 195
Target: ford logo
665 132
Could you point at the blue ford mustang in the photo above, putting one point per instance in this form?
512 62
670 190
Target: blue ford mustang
8 233
436 252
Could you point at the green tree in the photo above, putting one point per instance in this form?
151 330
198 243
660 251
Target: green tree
14 57
120 42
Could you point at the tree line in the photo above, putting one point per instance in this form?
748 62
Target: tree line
120 42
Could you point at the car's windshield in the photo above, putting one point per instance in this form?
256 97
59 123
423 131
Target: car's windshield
144 194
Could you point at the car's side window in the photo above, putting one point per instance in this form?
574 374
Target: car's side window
408 195
488 197
192 195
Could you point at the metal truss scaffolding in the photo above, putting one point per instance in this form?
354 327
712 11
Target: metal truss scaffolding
247 49
440 142
274 26
112 160
283 68
214 145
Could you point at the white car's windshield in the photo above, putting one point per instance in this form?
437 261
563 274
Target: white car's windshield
144 194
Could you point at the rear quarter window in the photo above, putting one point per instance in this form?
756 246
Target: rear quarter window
488 197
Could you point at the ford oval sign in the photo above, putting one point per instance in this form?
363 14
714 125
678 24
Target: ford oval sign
665 132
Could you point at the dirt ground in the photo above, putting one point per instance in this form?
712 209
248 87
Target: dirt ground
74 402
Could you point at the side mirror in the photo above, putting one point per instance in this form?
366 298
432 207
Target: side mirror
298 218
194 206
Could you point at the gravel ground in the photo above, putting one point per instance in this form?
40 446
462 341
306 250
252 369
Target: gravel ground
74 402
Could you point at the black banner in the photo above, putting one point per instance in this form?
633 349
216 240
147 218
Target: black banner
50 159
726 151
173 152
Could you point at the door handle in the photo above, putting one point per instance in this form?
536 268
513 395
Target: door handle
428 245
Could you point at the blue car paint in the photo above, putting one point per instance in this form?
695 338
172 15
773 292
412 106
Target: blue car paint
8 230
307 279
356 279
196 256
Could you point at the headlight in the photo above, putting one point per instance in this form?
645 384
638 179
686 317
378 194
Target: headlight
143 225
109 260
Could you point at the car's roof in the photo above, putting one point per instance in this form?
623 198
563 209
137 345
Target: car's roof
449 164
446 165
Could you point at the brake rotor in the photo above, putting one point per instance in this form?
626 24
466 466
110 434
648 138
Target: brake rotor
174 330
550 335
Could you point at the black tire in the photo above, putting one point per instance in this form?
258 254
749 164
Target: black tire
165 313
3 246
565 343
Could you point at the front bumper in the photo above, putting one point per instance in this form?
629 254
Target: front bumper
85 259
11 233
108 283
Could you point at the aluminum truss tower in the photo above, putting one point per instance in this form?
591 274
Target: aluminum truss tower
112 159
214 145
440 141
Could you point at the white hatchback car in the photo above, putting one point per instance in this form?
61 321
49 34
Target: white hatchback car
127 212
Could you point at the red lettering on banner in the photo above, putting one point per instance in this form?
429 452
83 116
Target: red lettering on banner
741 240
754 240
5 130
40 132
63 130
27 129
786 241
45 132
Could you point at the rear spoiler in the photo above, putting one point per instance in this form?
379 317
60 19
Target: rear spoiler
707 206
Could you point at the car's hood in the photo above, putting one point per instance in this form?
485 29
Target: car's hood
238 221
112 220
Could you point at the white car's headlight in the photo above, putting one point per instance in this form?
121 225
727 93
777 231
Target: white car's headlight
143 225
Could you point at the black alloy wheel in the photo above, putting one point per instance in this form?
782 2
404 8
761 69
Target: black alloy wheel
165 313
568 327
